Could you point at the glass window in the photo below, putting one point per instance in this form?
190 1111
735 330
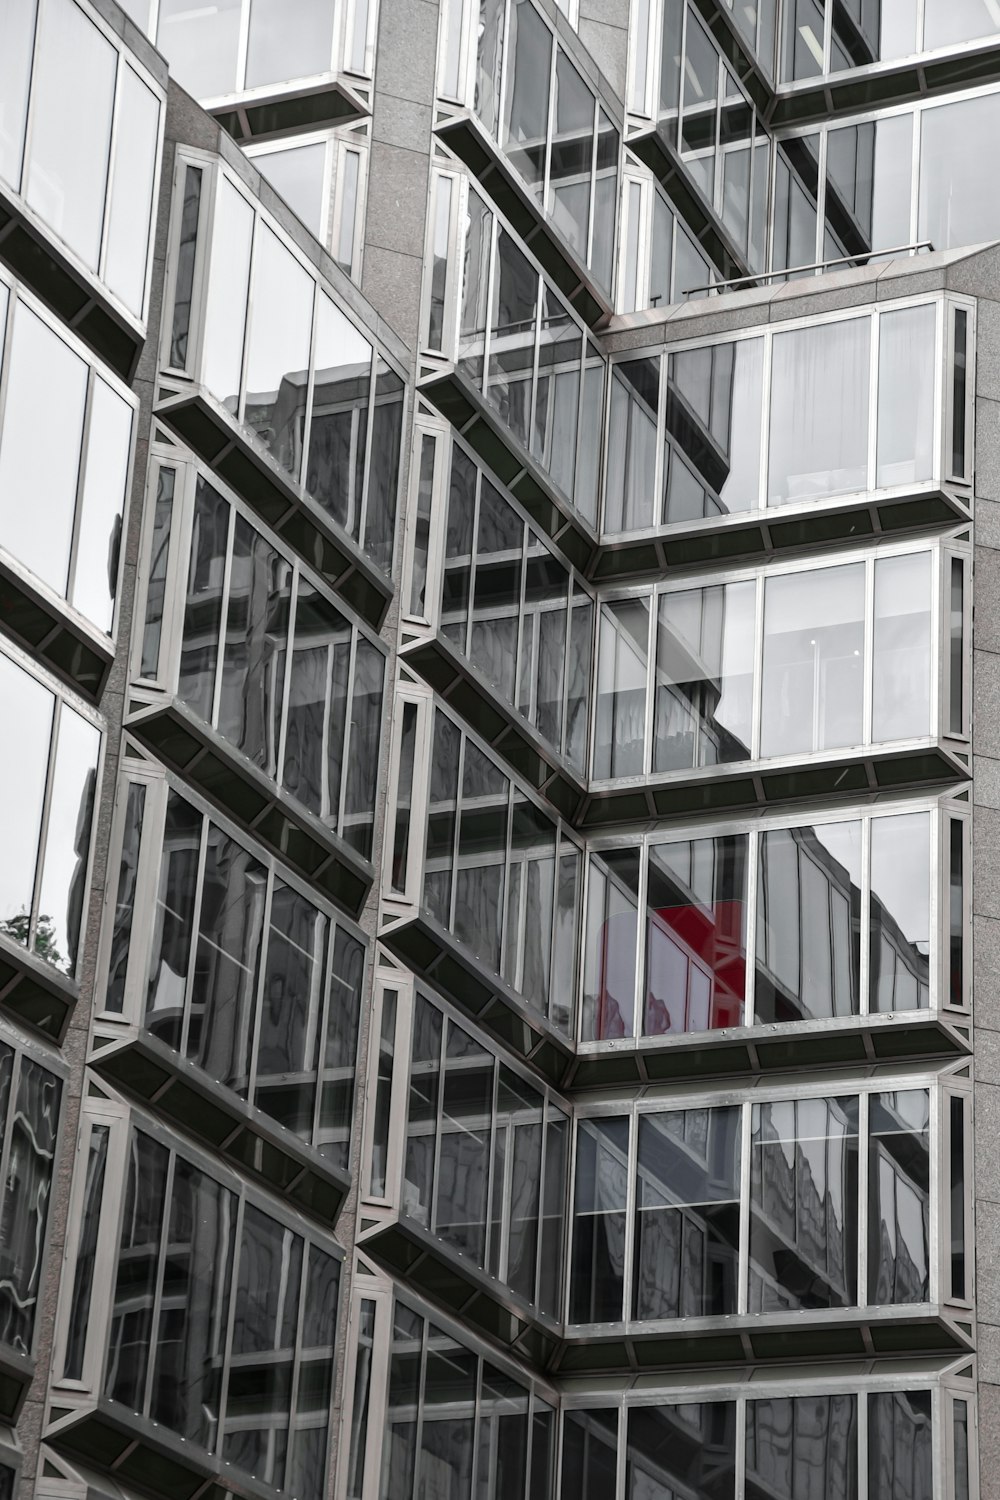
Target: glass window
72 792
30 1113
228 284
953 209
901 691
132 190
590 1454
597 1268
383 477
278 350
514 317
622 670
611 936
629 503
254 642
201 45
906 368
339 427
67 171
703 683
803 1204
900 1444
184 280
571 155
868 173
528 51
819 411
813 672
687 1449
95 574
713 426
687 1214
298 173
287 41
696 935
15 81
803 1447
899 1197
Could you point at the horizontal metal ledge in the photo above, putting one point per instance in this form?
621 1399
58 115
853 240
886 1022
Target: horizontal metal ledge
325 102
60 641
464 135
437 956
762 1339
242 1134
749 1051
218 439
461 685
457 399
461 1288
289 830
34 991
745 785
68 291
656 152
764 534
885 83
108 1437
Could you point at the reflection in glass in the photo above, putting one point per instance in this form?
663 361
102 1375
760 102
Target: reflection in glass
901 691
611 935
819 411
298 173
590 1454
528 52
713 427
288 41
868 173
687 1214
953 209
803 1447
132 191
571 151
696 935
813 671
623 654
900 920
899 1197
339 427
278 350
803 1204
31 1129
900 1444
67 169
703 683
72 793
15 80
687 1449
201 45
629 500
808 921
513 320
184 275
597 1265
906 361
24 759
228 287
254 641
102 502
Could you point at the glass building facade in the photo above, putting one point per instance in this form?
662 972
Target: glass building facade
499 580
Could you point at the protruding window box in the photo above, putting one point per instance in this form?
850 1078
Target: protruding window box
189 1098
16 1374
311 105
748 1050
466 408
453 676
481 1301
299 838
446 963
35 992
217 438
471 144
878 1332
142 1452
63 641
708 789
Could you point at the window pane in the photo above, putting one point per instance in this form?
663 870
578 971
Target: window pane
813 669
124 910
803 1205
86 1255
622 668
590 1454
228 282
67 172
33 1131
288 41
278 350
463 1169
803 1447
597 1274
519 1127
482 844
38 480
201 45
868 172
67 841
529 907
526 110
514 316
713 419
156 583
23 765
442 819
95 581
808 920
448 1417
899 1197
954 210
900 1444
18 26
703 687
298 174
957 1197
340 1051
630 499
687 1450
571 155
902 685
819 412
696 935
383 478
687 1215
496 598
199 653
339 426
906 363
143 1207
132 191
611 935
255 641
317 712
173 921
363 750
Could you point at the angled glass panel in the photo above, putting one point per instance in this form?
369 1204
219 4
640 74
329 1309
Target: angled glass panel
530 902
132 191
612 929
459 547
622 670
442 819
278 350
804 1204
703 683
713 430
899 1194
255 640
422 1112
201 45
571 158
474 318
590 1454
317 712
803 1447
288 41
900 1444
33 1128
687 1215
868 173
696 896
901 912
813 665
906 367
945 25
95 580
464 1146
802 35
953 209
597 1264
72 794
808 923
528 58
228 289
819 411
448 1416
482 845
688 1449
339 427
901 692
557 391
298 173
496 600
383 477
630 486
503 1436
513 324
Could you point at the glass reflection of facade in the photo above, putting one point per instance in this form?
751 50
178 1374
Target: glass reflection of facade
498 740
